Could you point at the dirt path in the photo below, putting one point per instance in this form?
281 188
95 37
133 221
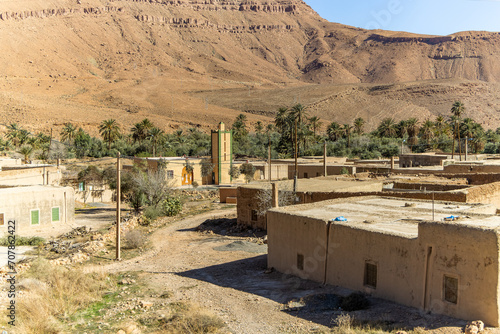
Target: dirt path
234 284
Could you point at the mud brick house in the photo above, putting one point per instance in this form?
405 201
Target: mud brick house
35 207
409 254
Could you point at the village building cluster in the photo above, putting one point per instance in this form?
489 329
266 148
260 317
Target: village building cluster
419 229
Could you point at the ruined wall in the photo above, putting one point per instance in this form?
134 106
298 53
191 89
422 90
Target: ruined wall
247 207
416 160
226 192
472 168
428 186
486 193
470 255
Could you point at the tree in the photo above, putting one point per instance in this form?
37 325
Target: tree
234 172
334 131
68 133
457 110
13 132
26 150
248 170
347 129
387 128
239 128
359 123
155 136
412 129
110 131
427 132
315 123
259 127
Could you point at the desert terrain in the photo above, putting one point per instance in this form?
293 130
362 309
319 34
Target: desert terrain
196 63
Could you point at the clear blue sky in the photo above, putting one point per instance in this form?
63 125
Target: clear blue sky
434 17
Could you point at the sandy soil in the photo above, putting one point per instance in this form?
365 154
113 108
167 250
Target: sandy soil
215 272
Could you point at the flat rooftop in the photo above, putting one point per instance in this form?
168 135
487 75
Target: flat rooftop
318 184
396 216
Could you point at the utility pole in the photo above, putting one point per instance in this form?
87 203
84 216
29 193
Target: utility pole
269 155
466 147
324 159
296 165
50 143
118 196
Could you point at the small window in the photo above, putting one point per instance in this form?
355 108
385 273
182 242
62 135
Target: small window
300 261
55 214
2 222
35 217
450 286
81 186
170 174
370 275
254 215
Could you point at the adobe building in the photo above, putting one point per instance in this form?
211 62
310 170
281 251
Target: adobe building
24 175
176 171
391 249
250 197
222 154
36 207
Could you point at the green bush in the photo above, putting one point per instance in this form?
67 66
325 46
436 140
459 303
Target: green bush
23 241
152 213
171 206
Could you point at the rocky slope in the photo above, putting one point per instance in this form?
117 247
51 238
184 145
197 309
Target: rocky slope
194 63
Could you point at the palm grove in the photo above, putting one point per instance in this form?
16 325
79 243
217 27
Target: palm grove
446 133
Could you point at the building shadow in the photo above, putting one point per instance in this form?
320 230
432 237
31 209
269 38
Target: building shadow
311 300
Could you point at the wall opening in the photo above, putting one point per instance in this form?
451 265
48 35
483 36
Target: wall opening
300 261
35 217
370 278
254 216
55 214
450 289
306 175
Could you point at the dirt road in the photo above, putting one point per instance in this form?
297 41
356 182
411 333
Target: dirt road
213 271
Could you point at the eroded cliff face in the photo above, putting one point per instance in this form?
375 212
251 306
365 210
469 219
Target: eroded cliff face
130 55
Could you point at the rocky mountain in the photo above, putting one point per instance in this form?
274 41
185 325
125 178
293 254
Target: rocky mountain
188 63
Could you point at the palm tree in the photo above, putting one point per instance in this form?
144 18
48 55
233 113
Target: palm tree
334 131
347 132
110 131
13 131
281 120
358 126
457 110
412 129
155 135
138 133
68 133
26 150
427 131
387 128
299 112
315 124
259 127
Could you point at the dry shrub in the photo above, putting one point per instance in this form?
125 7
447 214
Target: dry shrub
135 239
193 320
343 323
53 293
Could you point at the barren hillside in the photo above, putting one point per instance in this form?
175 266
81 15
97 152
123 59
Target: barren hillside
195 63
